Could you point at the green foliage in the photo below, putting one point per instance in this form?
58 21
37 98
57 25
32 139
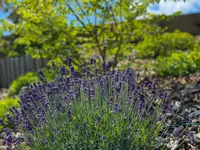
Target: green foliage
27 79
23 80
165 44
181 63
105 28
114 131
5 105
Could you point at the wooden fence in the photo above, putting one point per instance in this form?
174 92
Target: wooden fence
13 67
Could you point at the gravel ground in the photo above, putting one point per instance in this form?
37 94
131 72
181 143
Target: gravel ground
3 93
184 95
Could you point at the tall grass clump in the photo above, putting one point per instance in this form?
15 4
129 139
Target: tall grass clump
93 109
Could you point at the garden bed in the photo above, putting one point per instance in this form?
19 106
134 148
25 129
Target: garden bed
184 95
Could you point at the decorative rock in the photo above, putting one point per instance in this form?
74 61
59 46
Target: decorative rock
194 114
198 135
176 106
19 135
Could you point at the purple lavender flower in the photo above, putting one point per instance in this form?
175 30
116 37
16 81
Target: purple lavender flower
59 106
92 61
65 98
63 71
72 69
76 74
10 119
9 148
101 82
7 131
53 65
63 108
142 106
50 84
69 62
116 108
118 89
130 98
30 86
71 94
41 73
92 91
151 110
177 132
88 72
3 123
56 131
42 78
103 66
70 116
109 65
111 100
167 108
85 90
91 75
85 124
8 140
103 137
27 126
52 139
98 120
96 71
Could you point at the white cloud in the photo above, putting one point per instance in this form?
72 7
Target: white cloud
169 7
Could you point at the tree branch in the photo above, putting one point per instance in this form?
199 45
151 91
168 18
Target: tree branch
83 12
77 17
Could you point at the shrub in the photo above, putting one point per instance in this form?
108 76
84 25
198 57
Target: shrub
91 110
23 80
26 80
5 106
165 44
178 64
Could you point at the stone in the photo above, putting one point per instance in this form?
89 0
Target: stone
198 135
194 114
176 106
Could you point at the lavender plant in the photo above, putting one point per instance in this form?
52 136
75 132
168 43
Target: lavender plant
93 109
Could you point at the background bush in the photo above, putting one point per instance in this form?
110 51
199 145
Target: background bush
165 44
4 107
178 64
27 79
23 80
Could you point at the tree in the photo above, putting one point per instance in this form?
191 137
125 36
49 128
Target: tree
105 28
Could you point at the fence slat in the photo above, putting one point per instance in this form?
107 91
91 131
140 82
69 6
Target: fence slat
11 68
8 71
1 73
22 64
31 63
17 66
4 73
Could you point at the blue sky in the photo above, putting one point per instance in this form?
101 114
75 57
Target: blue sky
169 7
